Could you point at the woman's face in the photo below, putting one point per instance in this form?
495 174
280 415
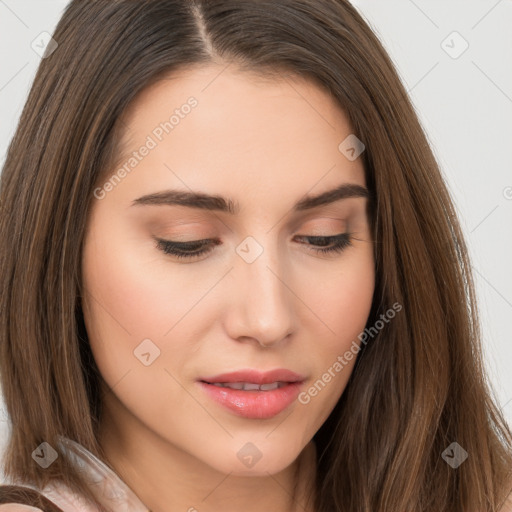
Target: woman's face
261 296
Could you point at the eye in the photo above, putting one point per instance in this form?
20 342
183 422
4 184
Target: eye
189 250
196 248
330 244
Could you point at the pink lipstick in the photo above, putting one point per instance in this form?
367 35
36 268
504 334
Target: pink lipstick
253 394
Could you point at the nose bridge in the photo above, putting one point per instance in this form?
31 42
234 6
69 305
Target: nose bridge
263 302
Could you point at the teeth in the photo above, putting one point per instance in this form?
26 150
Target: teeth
268 387
249 386
232 385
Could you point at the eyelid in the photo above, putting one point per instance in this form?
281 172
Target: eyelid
337 243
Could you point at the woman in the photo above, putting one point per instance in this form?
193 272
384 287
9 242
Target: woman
233 276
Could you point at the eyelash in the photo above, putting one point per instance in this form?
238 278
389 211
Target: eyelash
340 242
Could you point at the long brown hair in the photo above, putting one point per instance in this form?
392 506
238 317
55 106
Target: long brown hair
418 385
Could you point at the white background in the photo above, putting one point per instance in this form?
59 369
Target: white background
464 103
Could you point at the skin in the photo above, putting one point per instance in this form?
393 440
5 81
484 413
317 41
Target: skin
265 143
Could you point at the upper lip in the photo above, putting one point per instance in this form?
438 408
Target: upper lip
256 377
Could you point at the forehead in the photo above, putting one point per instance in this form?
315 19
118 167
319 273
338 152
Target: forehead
215 127
234 97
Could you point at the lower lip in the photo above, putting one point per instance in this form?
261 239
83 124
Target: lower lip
254 404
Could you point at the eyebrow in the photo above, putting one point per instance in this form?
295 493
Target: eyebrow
223 204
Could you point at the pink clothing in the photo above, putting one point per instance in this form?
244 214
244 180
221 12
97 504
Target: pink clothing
112 492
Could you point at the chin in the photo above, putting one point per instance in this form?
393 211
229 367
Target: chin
256 458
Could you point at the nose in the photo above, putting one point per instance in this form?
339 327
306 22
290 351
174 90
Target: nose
260 309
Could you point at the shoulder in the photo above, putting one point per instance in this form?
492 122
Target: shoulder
13 507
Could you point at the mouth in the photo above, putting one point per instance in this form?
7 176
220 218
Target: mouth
252 394
249 386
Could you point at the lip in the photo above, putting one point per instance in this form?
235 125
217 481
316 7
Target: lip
254 404
255 376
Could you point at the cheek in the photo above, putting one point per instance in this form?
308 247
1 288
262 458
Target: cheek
131 297
121 307
125 288
342 305
342 299
126 313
